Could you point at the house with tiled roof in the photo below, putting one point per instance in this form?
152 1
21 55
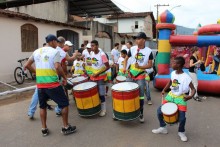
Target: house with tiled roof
21 34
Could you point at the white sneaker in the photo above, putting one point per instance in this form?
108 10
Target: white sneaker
141 118
182 136
149 102
102 113
161 130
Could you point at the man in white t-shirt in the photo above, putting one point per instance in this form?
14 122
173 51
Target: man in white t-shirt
115 56
140 59
99 67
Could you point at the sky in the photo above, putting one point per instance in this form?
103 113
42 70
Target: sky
189 14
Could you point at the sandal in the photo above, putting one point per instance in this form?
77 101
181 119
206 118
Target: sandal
197 99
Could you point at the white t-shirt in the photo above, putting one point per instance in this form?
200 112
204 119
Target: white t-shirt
87 57
121 63
78 65
142 57
149 70
98 60
124 47
180 83
115 53
62 53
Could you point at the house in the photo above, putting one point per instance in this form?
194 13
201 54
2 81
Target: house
64 10
127 25
22 34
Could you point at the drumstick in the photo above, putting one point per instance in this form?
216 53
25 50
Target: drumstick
162 99
138 50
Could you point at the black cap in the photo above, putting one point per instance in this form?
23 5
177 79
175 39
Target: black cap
141 35
51 37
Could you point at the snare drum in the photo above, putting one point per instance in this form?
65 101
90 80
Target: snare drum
78 80
170 113
126 101
120 79
87 98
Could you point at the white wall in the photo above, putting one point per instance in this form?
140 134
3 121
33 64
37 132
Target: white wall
124 25
55 10
11 43
104 44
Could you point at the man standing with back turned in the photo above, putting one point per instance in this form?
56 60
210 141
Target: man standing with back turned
47 61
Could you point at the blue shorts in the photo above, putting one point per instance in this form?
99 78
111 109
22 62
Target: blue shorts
56 94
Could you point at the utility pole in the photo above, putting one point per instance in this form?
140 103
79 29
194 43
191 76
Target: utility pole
158 5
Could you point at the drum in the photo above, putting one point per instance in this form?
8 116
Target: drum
120 79
87 98
78 80
170 113
126 101
69 84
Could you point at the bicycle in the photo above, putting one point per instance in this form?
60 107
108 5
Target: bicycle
20 74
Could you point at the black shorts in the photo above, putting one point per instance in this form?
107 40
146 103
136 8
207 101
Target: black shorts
56 94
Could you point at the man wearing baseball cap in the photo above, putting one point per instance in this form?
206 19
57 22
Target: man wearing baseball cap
47 61
141 59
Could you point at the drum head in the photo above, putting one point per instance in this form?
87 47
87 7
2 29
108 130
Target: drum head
125 86
78 79
84 86
169 108
121 78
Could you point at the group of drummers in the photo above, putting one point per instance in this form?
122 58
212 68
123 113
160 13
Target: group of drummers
91 70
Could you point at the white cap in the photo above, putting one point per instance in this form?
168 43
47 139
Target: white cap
68 43
88 45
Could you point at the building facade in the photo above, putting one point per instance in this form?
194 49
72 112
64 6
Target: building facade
23 34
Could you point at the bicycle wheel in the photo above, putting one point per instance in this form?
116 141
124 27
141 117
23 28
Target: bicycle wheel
19 77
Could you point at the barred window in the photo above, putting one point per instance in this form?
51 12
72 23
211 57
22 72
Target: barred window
29 38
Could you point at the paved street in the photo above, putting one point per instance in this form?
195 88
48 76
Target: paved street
202 127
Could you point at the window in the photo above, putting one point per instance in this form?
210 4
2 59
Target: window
29 38
136 25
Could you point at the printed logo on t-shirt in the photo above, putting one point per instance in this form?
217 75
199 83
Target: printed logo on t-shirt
122 63
77 65
88 60
175 85
46 58
140 57
95 61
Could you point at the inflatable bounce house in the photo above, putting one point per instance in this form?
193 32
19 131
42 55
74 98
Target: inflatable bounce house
206 38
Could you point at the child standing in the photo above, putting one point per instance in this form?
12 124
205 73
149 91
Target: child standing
179 85
120 64
78 66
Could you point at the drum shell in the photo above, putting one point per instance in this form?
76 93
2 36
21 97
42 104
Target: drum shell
172 118
126 104
87 101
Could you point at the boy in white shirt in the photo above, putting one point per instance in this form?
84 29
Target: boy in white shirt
78 66
120 64
179 85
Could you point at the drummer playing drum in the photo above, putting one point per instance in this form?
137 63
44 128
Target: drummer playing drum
179 85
